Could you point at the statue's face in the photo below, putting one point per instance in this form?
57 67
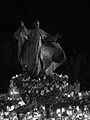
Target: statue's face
36 24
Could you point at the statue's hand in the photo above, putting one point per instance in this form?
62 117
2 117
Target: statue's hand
22 23
58 35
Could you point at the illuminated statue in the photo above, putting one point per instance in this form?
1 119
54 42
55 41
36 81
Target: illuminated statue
38 50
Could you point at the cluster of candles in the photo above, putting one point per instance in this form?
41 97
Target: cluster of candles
65 113
70 113
13 91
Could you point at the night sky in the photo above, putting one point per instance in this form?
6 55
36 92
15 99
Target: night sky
54 16
71 19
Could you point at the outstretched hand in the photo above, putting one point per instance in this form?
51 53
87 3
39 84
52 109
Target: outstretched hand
22 23
58 36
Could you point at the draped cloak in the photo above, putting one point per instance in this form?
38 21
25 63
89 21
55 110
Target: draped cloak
40 50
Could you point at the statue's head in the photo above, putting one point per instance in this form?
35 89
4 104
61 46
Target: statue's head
36 24
22 23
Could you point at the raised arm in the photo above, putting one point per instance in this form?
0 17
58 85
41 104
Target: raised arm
47 38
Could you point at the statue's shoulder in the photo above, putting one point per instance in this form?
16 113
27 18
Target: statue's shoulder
42 31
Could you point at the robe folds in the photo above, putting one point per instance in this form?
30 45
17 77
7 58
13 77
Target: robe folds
40 51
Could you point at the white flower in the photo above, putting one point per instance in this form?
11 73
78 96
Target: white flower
42 92
51 88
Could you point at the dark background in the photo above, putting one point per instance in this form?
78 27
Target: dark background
71 19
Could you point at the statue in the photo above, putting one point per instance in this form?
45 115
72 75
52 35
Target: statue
38 50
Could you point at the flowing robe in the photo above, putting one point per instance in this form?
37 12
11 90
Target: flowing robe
40 51
29 53
53 56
